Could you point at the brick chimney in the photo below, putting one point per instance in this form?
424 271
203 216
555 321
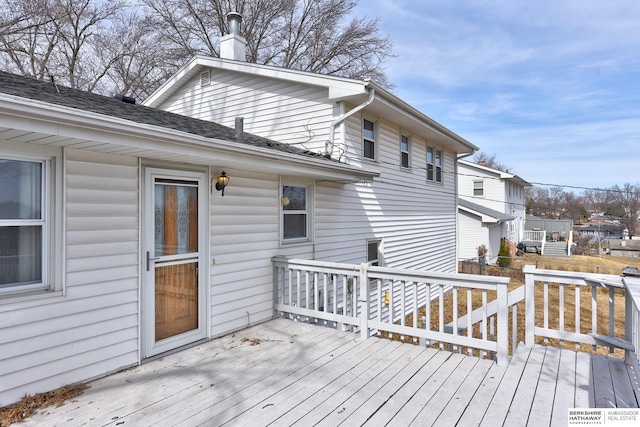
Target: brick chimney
233 46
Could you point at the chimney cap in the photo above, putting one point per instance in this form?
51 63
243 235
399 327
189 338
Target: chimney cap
234 19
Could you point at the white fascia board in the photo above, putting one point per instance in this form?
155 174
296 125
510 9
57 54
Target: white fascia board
484 218
50 119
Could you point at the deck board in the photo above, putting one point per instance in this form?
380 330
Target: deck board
300 374
564 396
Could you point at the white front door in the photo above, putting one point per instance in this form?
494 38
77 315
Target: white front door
173 293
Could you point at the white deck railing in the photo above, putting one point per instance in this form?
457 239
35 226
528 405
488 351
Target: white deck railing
587 297
377 300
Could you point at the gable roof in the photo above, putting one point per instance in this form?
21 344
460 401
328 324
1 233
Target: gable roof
385 103
507 176
487 215
22 97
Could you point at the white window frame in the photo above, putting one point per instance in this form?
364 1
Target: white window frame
52 284
405 139
43 222
378 261
478 188
372 141
307 211
435 164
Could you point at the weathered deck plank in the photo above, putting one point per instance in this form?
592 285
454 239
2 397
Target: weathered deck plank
565 388
544 397
305 375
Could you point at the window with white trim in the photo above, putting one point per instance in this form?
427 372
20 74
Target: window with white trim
434 164
23 224
369 146
295 213
478 188
404 151
374 256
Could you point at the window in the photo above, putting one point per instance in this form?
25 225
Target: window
295 212
373 252
404 151
478 188
368 139
23 223
434 165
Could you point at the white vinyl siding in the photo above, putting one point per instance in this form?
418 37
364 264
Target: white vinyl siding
245 235
285 112
93 329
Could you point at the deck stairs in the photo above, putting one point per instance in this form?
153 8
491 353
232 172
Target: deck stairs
555 249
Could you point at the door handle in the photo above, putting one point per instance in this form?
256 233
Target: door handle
149 259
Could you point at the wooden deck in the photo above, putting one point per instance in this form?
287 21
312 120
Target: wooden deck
287 373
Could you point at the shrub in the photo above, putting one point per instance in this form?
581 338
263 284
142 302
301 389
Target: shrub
504 255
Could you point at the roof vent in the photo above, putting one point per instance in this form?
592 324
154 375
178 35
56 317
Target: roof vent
125 99
205 78
239 129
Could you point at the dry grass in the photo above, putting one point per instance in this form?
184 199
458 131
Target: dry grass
605 265
29 404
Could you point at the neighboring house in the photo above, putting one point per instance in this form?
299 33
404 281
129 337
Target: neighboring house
551 237
118 246
602 231
502 195
624 247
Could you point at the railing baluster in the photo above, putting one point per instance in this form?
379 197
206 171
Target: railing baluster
546 308
403 287
561 308
484 319
316 292
469 318
577 310
441 312
380 297
427 312
325 295
297 287
290 284
455 314
514 328
415 310
611 316
594 313
307 297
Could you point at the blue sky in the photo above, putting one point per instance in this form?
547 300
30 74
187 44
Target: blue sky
552 88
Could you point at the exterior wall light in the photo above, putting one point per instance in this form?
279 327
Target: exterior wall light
221 182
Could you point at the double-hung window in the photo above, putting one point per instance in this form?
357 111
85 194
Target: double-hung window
404 151
478 188
434 164
368 139
295 213
23 224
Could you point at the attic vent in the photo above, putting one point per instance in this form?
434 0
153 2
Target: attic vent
205 78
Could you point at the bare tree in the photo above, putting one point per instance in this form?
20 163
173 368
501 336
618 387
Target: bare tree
57 40
627 197
489 161
138 61
308 35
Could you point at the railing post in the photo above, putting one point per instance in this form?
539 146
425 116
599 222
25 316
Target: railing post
628 322
364 313
276 279
530 306
503 324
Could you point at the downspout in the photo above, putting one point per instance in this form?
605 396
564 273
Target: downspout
342 118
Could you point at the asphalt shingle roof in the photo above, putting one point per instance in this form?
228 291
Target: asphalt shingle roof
49 92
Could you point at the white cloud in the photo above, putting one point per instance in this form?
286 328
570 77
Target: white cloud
552 87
